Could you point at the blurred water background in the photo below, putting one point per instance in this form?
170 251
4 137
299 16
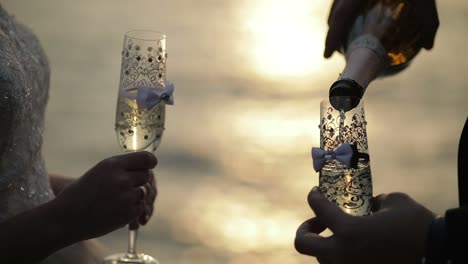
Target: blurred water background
234 165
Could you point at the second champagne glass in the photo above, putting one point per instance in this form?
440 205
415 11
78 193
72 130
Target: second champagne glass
350 187
140 113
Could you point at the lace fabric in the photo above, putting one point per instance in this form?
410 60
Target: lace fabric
24 84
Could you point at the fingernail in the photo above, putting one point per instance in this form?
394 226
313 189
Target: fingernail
315 189
147 217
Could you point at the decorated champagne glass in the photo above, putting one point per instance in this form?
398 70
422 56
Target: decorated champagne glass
343 157
141 109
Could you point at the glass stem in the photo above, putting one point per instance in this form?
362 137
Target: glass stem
132 238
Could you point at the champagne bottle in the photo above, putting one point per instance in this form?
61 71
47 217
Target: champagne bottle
383 40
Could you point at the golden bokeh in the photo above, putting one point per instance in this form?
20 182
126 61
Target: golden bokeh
234 164
287 39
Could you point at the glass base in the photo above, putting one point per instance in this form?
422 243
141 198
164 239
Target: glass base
124 258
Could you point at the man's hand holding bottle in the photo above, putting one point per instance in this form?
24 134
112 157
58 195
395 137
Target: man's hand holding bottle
344 12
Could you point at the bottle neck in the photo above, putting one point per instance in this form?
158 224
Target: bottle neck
345 94
366 59
362 66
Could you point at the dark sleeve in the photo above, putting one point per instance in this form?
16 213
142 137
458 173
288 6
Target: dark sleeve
456 225
463 167
447 238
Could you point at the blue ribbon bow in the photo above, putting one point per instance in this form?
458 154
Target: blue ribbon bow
148 97
344 154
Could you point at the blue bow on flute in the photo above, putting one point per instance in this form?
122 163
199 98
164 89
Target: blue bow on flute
148 97
344 154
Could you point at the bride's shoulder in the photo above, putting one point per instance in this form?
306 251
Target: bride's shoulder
24 85
22 58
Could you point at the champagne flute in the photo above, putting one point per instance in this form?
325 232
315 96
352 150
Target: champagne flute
348 187
140 114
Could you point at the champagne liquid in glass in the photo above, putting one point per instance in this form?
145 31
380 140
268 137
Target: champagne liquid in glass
349 188
136 129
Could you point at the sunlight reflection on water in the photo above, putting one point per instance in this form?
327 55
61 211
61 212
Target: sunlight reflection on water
274 130
234 165
238 219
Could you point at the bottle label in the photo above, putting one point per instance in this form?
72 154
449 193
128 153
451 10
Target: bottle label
370 42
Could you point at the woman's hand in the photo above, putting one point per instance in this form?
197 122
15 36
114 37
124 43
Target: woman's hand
395 233
109 196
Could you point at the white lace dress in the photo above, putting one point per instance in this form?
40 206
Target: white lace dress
24 85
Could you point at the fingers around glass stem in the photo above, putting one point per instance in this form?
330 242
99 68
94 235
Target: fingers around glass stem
148 195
